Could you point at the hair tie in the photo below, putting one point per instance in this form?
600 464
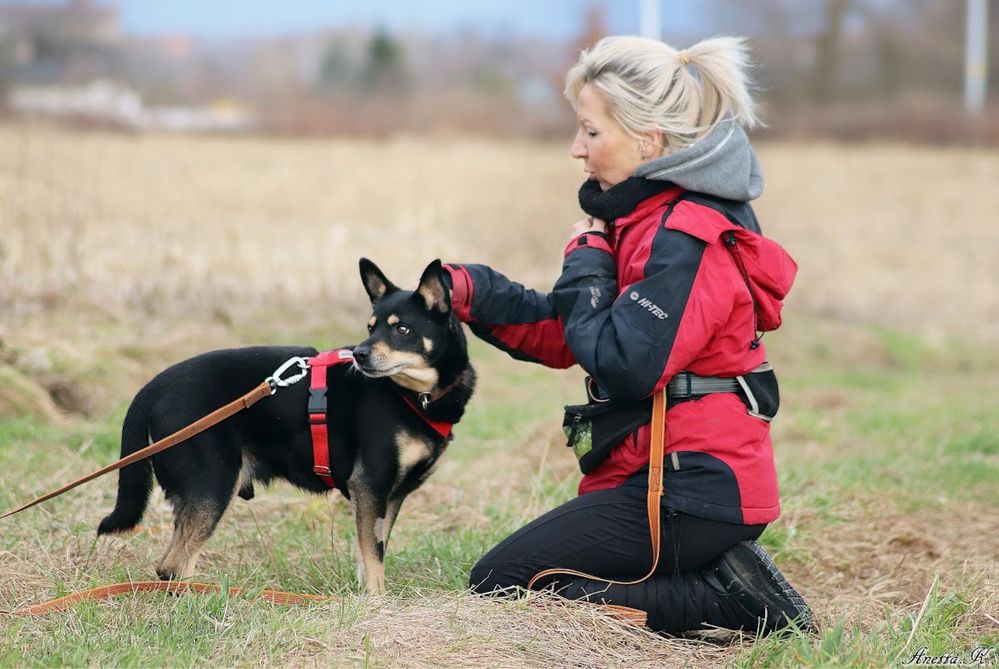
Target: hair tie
684 58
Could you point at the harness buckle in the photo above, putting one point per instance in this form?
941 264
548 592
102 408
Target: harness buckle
317 401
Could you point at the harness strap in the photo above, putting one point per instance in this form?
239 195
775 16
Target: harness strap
318 409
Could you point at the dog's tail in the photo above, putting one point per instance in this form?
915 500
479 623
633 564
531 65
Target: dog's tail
135 480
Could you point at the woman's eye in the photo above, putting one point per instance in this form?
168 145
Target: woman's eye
402 329
591 133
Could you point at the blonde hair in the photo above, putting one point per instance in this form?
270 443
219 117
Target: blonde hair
648 85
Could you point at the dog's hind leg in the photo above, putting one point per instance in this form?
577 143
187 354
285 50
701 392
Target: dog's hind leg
194 522
200 482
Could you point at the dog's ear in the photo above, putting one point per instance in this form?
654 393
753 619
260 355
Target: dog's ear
374 281
433 290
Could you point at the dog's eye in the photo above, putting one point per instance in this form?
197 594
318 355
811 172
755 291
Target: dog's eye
371 328
402 329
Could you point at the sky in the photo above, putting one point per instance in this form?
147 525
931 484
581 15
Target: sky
560 19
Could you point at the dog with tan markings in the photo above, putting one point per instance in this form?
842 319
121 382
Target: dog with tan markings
384 416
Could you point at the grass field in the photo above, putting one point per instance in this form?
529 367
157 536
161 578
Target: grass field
120 254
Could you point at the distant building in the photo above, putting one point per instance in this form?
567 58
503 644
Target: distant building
44 42
101 101
112 104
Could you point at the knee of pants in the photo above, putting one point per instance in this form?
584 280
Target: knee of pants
486 578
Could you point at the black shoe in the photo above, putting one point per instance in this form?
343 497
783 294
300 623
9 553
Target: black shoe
746 572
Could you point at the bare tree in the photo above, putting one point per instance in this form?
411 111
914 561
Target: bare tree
828 56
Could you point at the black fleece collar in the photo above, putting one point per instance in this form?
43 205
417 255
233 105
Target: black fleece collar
620 199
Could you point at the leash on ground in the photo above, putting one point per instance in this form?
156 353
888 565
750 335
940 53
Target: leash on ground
267 387
171 587
656 449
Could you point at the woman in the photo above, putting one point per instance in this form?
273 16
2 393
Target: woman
667 279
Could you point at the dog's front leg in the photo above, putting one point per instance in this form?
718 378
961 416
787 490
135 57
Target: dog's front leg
369 515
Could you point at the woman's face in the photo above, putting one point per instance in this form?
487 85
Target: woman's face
609 154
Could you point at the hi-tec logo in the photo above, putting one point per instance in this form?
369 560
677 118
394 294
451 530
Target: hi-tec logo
594 296
648 305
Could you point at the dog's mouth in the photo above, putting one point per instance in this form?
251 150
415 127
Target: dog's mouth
378 372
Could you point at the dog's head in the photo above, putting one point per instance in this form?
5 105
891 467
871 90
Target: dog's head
409 332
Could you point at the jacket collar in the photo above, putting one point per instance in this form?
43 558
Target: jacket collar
647 206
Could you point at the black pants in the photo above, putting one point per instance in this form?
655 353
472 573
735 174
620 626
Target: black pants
606 533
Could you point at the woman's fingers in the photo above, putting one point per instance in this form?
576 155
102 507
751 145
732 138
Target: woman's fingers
590 224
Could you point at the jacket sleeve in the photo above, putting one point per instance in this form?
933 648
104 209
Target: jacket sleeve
629 342
509 316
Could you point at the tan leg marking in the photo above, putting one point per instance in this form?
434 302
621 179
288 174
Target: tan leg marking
192 527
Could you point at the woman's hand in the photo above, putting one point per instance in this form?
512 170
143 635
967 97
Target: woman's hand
590 224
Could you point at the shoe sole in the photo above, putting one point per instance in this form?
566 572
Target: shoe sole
804 619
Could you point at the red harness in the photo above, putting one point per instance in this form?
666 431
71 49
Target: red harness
317 411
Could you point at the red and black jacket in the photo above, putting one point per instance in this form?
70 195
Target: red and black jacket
660 294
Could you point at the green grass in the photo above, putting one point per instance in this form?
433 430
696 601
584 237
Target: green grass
911 433
935 628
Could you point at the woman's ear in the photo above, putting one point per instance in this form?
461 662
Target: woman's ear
652 144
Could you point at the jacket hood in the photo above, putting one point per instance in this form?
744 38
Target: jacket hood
767 269
722 164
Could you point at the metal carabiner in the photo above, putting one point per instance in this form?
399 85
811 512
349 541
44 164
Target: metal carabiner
275 381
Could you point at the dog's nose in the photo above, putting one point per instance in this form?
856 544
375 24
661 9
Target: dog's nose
362 353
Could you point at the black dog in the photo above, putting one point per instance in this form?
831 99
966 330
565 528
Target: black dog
414 371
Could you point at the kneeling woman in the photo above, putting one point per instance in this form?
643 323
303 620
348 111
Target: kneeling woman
667 284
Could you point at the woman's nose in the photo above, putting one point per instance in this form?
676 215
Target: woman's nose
578 148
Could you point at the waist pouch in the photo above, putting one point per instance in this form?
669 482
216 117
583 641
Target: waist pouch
760 392
594 429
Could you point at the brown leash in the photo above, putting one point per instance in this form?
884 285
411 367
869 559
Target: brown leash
266 388
217 416
173 587
656 451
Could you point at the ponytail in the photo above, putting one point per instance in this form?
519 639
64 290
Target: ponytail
718 67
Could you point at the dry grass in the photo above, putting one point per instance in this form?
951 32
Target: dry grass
163 225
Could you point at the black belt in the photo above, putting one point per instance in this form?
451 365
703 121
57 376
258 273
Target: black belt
686 385
757 389
683 386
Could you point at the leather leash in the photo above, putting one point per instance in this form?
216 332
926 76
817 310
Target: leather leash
656 451
172 587
266 388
